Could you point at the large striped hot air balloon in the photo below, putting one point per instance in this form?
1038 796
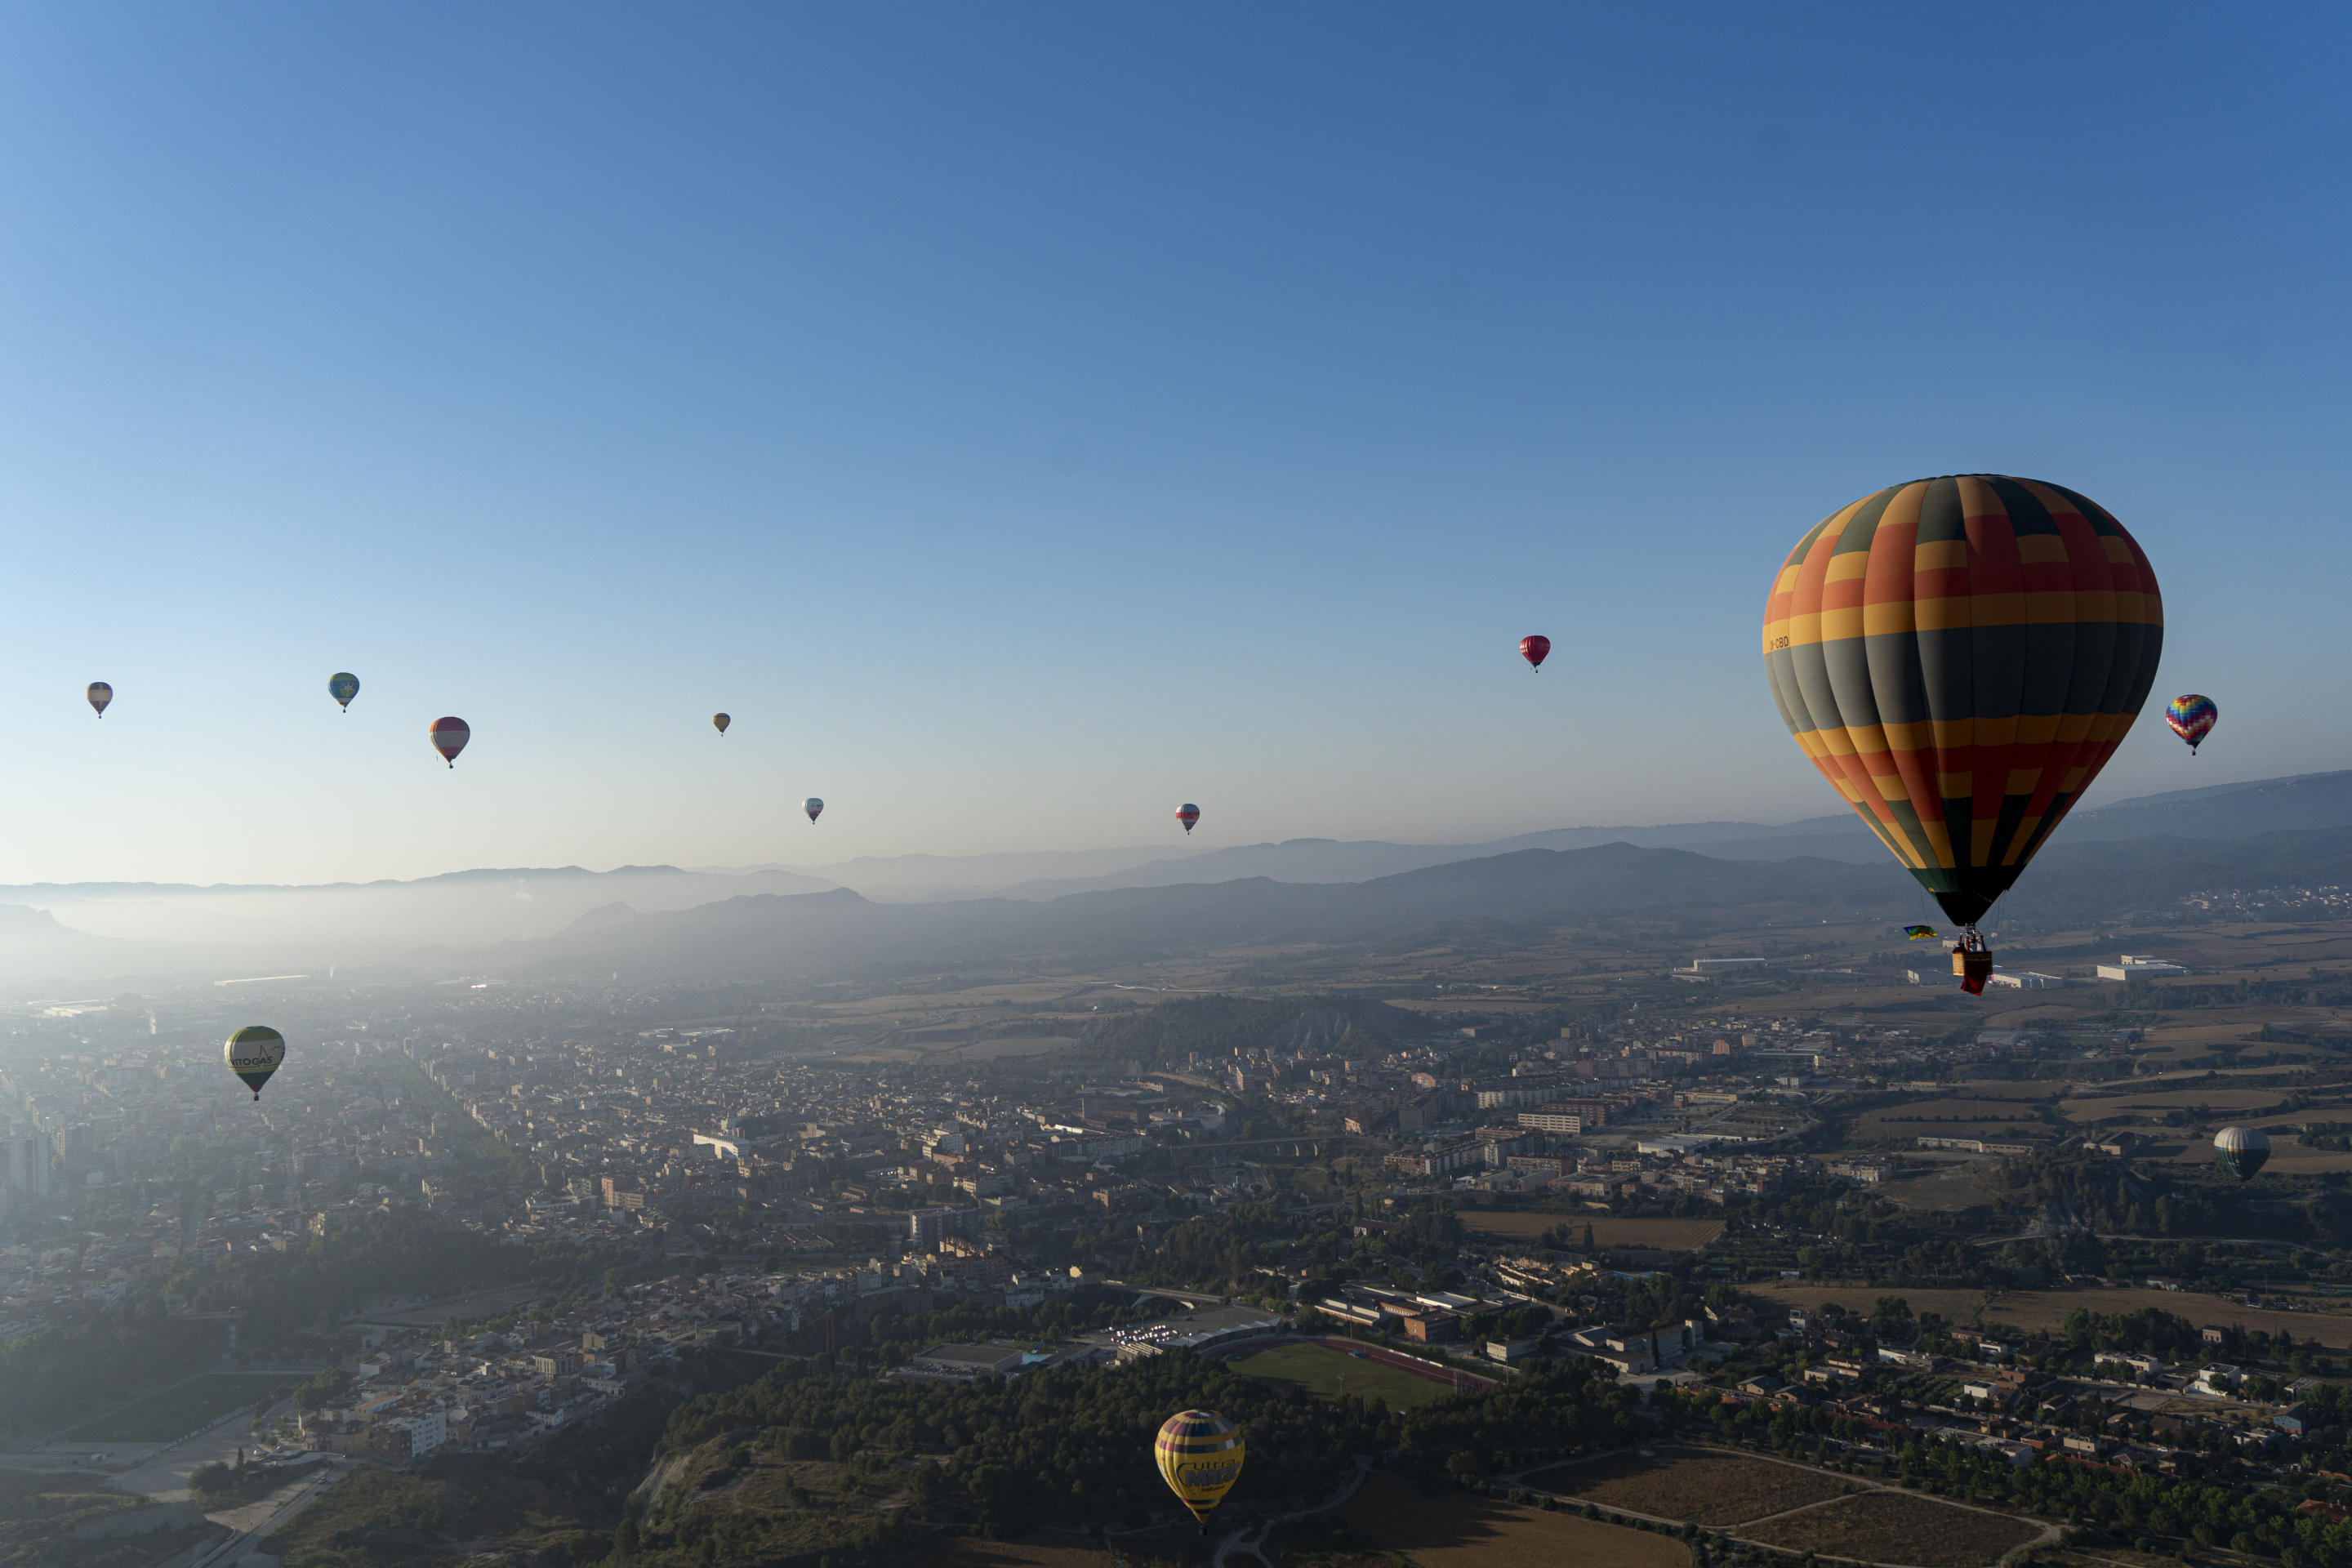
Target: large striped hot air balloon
1200 1456
2242 1151
254 1053
2193 718
1960 657
448 737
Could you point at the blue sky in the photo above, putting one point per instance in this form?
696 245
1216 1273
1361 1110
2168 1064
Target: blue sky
1025 418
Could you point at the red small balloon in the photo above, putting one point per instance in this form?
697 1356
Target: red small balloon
1188 813
1535 649
449 738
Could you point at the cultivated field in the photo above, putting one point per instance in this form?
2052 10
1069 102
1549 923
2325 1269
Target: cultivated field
971 1552
1896 1527
2048 1309
2025 1090
1319 1369
2220 1101
1944 1119
1665 1235
1461 1529
179 1410
1693 1486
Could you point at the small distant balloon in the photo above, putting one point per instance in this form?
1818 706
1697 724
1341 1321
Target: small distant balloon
1188 813
720 722
2193 718
254 1053
1920 933
813 807
342 686
450 737
1534 649
100 695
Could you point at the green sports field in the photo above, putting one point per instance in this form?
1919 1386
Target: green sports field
1319 1369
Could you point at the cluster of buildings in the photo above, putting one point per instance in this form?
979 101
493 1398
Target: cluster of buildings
2025 1401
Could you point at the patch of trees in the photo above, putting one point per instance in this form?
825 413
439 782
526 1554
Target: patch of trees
1073 1447
288 1298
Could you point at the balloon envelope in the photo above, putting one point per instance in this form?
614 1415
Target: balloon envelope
719 722
342 686
1960 657
1534 649
253 1053
2193 718
1188 813
1199 1456
450 737
2242 1151
813 807
100 695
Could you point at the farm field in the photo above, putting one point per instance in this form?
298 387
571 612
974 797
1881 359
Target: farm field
1463 1530
1693 1486
1321 1370
2026 1090
179 1410
2048 1309
2219 1102
972 1552
1946 1119
1896 1527
1666 1234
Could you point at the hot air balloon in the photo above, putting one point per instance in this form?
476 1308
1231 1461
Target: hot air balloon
2193 718
450 737
1200 1456
813 807
720 722
2242 1151
1534 649
100 695
1960 657
1188 813
254 1053
342 686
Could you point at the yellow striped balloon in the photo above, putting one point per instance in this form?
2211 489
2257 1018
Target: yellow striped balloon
1960 657
1199 1455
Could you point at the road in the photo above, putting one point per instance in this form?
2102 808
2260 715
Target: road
256 1522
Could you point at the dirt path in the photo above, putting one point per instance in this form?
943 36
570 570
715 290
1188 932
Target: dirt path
1253 1539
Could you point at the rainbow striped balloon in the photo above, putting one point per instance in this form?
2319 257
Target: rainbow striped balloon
2191 718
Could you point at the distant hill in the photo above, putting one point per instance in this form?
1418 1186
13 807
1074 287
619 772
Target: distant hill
349 920
790 937
2220 810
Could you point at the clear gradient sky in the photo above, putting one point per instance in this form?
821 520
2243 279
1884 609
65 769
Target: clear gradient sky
1025 417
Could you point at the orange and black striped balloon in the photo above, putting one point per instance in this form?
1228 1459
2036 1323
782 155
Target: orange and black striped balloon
1960 656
